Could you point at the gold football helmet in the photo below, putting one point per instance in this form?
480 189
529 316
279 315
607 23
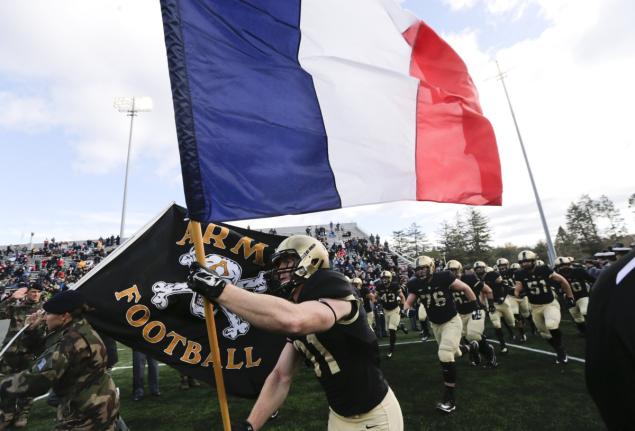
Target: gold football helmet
424 262
454 265
386 277
561 260
308 255
501 261
526 255
515 266
479 264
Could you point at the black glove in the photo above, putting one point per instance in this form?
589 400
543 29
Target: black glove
205 282
491 308
243 426
569 302
477 314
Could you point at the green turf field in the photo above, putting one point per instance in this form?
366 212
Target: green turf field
526 392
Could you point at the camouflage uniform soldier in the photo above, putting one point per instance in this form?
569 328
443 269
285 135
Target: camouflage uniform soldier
73 364
18 356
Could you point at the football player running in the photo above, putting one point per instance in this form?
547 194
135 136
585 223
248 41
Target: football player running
390 295
327 328
519 306
581 283
434 289
473 328
502 309
545 309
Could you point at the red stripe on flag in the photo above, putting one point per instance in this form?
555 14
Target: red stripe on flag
456 155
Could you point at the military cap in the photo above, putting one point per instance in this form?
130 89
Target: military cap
64 302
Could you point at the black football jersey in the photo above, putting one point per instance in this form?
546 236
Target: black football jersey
580 282
461 301
508 280
537 284
388 295
435 295
345 358
499 289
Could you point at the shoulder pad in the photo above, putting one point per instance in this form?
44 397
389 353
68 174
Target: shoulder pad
470 279
326 283
443 277
544 271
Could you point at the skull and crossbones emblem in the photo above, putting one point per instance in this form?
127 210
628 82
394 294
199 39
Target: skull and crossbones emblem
225 267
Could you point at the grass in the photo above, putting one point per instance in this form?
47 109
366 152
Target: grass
526 392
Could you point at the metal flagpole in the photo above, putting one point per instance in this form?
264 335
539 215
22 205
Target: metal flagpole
15 337
132 114
212 336
551 252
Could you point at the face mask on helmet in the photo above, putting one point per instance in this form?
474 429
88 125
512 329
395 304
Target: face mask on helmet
296 259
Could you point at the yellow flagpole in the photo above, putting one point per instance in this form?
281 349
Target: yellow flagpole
197 238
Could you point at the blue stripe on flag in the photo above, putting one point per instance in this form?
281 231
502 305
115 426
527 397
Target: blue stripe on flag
251 134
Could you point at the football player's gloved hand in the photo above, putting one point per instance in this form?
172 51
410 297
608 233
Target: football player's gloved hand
491 308
205 282
243 426
477 314
500 301
569 302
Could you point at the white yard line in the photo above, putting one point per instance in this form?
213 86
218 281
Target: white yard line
516 346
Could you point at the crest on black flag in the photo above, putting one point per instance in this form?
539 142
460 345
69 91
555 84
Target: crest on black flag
228 269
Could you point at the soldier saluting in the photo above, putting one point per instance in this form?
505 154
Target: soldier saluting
18 357
73 364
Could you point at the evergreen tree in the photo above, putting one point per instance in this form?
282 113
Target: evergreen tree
605 208
565 244
400 241
582 226
478 235
416 241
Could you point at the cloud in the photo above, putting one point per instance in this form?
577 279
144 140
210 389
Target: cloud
495 7
85 54
25 114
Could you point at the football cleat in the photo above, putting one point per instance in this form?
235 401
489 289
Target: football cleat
475 356
403 328
492 362
562 358
446 406
503 350
389 355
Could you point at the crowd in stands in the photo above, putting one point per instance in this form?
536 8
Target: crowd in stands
53 266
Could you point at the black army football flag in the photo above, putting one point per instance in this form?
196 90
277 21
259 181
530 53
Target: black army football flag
140 298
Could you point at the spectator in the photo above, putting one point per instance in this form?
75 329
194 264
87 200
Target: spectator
139 361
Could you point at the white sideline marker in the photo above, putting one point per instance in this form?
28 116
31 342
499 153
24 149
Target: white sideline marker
516 346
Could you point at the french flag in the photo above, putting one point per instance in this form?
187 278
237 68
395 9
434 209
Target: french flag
297 106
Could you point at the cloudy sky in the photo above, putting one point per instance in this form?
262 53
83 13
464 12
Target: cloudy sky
569 65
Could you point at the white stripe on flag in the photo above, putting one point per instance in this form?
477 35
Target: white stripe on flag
360 65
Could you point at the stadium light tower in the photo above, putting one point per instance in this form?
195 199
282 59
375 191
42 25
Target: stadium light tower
131 106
